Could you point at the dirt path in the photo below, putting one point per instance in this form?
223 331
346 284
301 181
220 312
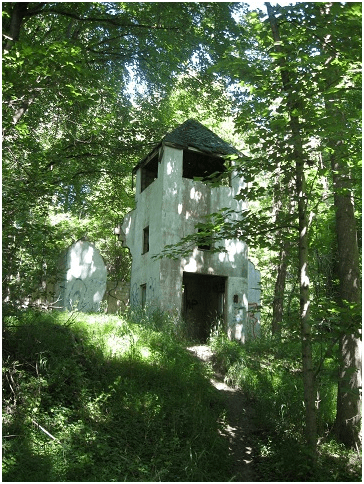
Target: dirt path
239 423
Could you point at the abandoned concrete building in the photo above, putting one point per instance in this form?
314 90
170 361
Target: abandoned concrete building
206 285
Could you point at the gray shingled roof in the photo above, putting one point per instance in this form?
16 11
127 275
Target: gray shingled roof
194 134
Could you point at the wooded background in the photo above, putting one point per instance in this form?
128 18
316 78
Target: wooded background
89 88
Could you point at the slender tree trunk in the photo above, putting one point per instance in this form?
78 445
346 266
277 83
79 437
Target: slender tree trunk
307 362
303 244
348 414
18 13
281 267
279 288
282 206
22 109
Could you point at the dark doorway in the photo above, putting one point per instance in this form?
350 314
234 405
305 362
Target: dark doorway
203 303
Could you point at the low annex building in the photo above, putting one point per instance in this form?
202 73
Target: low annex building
206 285
82 278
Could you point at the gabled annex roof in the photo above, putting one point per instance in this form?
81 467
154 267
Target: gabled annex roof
193 134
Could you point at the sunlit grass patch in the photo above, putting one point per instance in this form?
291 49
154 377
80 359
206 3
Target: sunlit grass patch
123 401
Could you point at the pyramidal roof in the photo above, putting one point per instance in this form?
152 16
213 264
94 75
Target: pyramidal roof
194 134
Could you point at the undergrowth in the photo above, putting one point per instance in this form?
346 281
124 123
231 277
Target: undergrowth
103 398
118 398
268 371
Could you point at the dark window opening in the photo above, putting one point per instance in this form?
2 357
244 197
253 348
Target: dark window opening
145 240
204 242
206 167
149 172
143 290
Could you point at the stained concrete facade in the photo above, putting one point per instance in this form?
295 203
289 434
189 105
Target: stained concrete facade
82 281
169 202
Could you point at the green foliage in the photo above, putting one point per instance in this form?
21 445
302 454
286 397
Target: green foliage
226 352
268 371
73 128
123 401
78 79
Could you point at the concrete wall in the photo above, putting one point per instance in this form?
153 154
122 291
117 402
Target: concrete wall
82 281
115 300
170 207
116 297
254 291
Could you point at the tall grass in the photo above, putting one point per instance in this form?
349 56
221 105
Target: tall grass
102 398
268 371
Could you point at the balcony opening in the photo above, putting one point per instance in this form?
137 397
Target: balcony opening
149 172
206 167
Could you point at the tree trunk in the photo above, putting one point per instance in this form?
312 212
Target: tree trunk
348 412
283 205
279 292
17 15
307 362
348 416
19 11
303 244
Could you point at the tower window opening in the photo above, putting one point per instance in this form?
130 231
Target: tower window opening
143 290
145 240
149 172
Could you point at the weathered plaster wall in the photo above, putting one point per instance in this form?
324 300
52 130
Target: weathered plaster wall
115 300
237 305
170 207
254 291
144 269
83 278
116 297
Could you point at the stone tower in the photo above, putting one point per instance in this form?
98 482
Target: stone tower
205 285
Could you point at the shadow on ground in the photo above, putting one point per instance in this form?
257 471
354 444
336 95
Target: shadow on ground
238 424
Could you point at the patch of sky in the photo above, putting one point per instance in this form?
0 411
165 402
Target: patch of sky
257 5
136 86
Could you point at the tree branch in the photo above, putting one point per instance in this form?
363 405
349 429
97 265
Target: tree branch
16 19
46 432
109 20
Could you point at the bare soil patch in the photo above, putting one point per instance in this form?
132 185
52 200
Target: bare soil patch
239 424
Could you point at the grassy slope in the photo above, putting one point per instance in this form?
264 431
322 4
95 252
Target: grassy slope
125 403
269 373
